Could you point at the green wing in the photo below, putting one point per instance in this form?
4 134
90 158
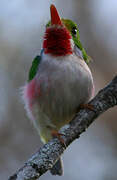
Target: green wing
34 68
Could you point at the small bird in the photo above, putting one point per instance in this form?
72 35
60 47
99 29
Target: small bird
59 81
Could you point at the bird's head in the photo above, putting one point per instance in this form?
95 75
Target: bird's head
62 37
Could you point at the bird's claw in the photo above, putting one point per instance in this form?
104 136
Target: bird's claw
87 106
58 135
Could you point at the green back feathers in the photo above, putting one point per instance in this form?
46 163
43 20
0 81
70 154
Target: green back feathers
34 68
72 27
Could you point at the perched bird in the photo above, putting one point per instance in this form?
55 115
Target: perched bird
59 80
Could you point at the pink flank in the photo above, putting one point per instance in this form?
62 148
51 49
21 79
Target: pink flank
29 93
31 90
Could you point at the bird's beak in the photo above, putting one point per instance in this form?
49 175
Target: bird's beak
55 18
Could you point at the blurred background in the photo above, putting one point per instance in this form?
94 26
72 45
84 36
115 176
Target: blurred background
22 24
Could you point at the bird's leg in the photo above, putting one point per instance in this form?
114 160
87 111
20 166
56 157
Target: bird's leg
87 106
55 133
83 106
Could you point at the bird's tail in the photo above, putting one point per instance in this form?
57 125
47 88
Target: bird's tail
57 169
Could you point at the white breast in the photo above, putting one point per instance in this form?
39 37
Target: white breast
65 83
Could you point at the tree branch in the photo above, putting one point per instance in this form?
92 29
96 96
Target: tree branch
45 158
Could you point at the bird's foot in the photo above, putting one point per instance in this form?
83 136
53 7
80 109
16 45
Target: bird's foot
58 135
87 106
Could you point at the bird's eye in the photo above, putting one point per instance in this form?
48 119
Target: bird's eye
74 31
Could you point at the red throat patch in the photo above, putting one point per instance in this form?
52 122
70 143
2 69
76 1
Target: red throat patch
57 41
